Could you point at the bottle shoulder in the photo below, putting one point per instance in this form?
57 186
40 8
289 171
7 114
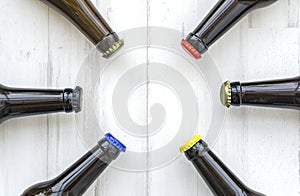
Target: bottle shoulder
42 189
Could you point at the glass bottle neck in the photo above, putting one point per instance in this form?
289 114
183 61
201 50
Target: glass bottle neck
85 16
78 177
217 176
220 19
283 93
17 102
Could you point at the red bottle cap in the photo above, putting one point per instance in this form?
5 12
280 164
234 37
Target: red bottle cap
190 49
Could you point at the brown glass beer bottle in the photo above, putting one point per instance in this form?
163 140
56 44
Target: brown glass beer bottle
85 16
220 180
281 93
77 178
19 102
224 15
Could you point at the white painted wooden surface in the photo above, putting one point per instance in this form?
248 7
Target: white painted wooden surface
260 145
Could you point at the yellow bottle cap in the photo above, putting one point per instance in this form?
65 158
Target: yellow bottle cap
190 143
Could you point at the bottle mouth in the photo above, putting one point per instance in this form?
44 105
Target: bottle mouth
115 142
72 99
190 49
110 44
189 144
111 50
194 45
77 99
225 94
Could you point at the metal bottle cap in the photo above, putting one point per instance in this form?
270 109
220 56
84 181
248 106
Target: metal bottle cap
190 48
110 44
225 94
111 139
190 143
116 46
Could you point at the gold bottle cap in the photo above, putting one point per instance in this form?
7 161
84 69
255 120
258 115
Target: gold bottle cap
116 46
190 143
225 94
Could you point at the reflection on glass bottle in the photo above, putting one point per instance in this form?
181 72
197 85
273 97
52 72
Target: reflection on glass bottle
219 178
281 93
217 22
18 102
85 16
78 177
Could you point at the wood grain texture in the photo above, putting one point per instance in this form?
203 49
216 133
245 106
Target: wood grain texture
260 145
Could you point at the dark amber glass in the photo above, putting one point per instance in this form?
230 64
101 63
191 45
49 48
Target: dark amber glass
281 93
219 20
220 180
84 15
18 102
75 180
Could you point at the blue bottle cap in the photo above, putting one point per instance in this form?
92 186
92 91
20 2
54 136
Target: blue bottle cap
114 141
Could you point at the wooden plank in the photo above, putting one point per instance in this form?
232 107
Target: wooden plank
258 53
282 14
127 182
179 176
67 48
23 57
